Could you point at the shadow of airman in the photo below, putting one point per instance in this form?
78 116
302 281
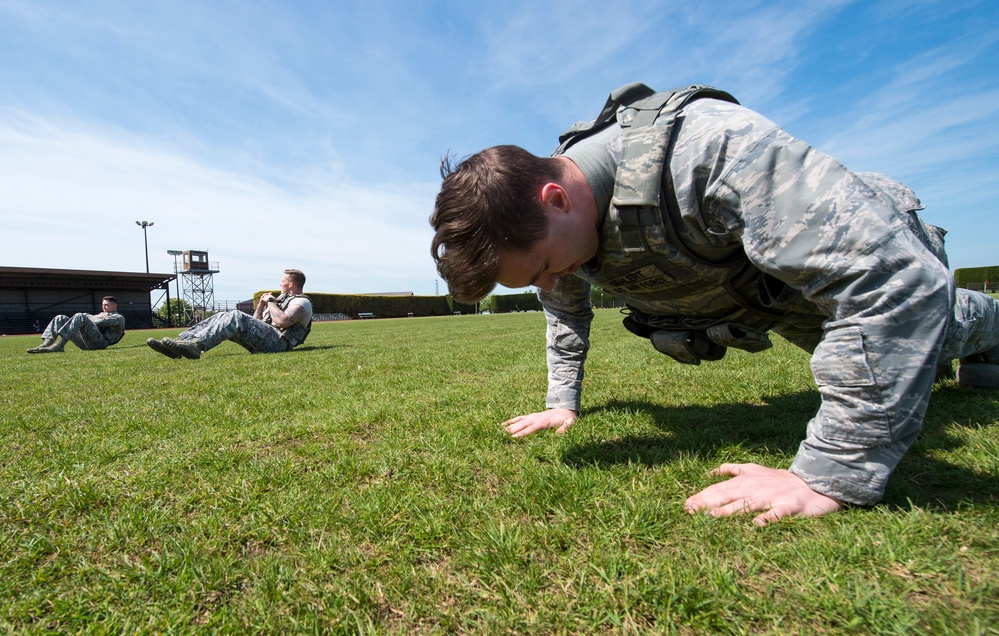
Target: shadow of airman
922 478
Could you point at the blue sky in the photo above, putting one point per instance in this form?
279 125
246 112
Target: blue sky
308 134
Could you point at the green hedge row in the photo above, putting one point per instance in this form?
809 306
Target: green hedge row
528 301
381 306
972 275
402 306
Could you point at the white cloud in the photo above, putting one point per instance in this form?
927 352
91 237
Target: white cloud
71 198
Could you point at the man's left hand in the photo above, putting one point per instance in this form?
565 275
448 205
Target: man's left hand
524 425
754 488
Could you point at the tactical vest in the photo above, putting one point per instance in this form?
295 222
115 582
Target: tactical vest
297 333
691 304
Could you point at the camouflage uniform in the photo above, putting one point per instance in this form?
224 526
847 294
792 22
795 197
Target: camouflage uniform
770 234
86 331
256 336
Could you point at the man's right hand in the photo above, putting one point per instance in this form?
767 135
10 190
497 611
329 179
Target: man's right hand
523 425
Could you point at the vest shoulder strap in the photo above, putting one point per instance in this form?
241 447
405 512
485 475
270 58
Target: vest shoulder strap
637 105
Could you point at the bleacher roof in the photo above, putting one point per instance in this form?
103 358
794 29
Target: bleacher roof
37 277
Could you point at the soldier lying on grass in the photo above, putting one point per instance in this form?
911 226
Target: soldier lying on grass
86 331
280 323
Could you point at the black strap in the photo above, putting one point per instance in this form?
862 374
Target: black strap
642 106
627 94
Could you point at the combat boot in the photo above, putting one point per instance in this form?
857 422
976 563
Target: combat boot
980 371
187 348
46 342
56 347
160 347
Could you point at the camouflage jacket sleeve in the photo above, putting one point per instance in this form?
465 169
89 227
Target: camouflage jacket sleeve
807 220
569 314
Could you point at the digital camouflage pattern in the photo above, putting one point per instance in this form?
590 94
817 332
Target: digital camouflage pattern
770 234
974 327
87 331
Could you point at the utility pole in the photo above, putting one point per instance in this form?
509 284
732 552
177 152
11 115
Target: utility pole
176 273
145 239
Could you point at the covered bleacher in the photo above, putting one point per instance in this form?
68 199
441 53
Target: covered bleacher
30 297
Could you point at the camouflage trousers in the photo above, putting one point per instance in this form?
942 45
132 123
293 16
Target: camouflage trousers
79 329
256 336
974 327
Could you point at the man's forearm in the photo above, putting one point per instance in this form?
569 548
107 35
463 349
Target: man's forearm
568 314
805 219
566 347
108 321
875 369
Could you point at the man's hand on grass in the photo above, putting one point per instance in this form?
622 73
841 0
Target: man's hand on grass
523 425
753 488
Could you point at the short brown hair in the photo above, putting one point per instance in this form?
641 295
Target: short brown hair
296 276
110 299
488 202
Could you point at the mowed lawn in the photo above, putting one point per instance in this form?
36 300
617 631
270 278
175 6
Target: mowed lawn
363 483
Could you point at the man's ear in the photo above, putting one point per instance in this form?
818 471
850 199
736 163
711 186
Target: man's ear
553 195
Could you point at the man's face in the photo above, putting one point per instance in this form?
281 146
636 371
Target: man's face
286 284
107 306
542 265
566 248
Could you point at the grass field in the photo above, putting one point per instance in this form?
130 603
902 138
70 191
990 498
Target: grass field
363 484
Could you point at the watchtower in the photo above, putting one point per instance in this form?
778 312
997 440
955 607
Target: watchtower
198 286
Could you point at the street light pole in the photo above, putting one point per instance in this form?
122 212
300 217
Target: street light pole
145 239
176 273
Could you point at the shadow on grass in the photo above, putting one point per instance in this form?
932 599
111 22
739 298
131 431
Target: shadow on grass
240 351
928 481
316 348
776 426
922 478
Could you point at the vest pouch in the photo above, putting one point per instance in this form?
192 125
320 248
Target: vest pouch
687 347
638 328
739 336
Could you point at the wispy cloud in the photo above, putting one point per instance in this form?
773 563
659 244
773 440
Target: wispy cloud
350 234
